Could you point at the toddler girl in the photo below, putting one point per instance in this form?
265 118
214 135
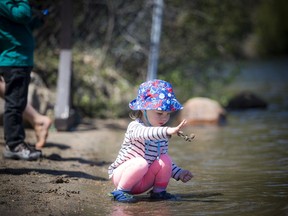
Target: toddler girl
143 161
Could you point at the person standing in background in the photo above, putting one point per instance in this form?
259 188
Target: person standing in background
16 63
40 123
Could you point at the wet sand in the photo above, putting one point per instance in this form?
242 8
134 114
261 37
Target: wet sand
72 172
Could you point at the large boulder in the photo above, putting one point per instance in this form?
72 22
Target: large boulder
200 110
246 100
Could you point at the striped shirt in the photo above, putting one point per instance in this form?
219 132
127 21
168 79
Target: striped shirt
146 142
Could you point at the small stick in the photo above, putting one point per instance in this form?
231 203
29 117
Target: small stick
186 137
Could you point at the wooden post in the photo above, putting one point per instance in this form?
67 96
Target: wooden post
62 110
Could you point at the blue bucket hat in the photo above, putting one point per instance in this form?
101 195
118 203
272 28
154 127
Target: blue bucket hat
155 95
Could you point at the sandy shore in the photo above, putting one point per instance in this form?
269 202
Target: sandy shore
73 170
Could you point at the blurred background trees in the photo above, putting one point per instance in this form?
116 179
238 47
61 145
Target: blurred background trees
200 41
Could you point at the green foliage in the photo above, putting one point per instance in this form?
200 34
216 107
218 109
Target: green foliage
111 41
271 27
197 42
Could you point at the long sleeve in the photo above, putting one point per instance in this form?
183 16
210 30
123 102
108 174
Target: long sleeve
139 131
16 11
16 39
175 171
146 142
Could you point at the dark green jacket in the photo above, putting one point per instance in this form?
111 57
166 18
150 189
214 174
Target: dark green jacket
16 39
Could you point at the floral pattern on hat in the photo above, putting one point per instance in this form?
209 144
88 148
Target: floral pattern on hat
156 95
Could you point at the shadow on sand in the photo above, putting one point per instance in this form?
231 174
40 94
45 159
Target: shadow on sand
57 145
74 174
57 157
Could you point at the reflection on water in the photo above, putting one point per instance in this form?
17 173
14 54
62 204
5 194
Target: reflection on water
240 169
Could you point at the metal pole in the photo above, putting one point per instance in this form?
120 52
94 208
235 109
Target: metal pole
155 39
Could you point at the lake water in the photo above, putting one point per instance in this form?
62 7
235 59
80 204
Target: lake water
239 169
268 79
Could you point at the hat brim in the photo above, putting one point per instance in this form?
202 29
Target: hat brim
173 105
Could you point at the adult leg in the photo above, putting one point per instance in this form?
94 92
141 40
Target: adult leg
2 88
16 91
40 123
17 81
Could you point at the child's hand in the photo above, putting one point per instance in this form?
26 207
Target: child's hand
185 176
174 130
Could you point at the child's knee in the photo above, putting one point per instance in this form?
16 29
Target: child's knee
166 159
141 163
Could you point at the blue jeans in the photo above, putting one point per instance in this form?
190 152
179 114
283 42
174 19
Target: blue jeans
17 81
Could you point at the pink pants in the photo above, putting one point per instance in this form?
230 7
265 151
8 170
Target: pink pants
137 177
